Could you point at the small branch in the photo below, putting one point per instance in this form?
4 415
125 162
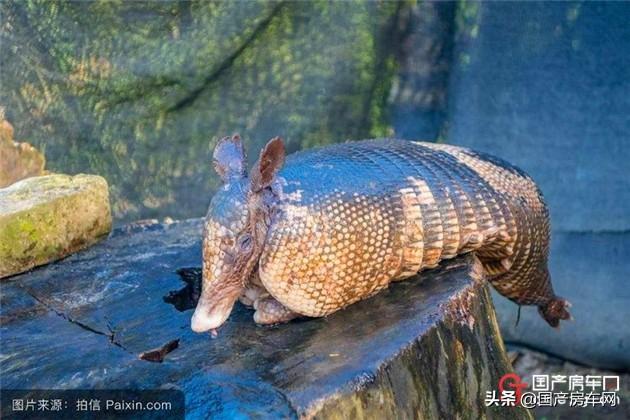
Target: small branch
158 355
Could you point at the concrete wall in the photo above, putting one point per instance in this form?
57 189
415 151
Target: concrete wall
546 86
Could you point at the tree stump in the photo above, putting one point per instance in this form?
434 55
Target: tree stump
428 347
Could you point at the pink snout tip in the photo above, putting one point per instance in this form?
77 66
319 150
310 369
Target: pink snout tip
203 320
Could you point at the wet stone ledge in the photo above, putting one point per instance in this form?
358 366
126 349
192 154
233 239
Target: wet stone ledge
428 347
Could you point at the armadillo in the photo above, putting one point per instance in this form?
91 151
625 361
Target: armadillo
324 228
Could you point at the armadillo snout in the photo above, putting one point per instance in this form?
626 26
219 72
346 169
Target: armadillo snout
210 316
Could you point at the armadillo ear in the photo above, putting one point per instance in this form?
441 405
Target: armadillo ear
229 158
270 161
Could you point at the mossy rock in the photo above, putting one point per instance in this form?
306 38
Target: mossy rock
49 217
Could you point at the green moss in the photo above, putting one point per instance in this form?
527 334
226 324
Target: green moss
46 218
142 101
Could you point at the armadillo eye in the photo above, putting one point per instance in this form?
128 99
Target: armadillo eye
245 242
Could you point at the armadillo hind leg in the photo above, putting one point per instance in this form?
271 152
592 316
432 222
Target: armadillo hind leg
514 256
270 311
537 291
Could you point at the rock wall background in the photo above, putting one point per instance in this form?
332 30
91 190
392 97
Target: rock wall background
139 92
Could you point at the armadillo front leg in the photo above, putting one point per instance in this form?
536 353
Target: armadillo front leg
253 291
251 294
270 311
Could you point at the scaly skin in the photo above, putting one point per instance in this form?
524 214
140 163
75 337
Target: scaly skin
356 216
346 220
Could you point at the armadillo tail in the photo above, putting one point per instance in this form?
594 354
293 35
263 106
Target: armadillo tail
555 310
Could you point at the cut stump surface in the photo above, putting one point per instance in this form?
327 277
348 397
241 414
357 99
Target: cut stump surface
427 347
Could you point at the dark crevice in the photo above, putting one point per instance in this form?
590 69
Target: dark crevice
110 335
424 54
289 403
390 37
448 15
227 63
186 298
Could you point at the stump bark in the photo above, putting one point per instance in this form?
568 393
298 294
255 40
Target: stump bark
428 347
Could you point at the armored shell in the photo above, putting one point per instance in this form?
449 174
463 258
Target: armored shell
353 217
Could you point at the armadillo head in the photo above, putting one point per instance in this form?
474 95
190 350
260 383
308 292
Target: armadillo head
235 228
